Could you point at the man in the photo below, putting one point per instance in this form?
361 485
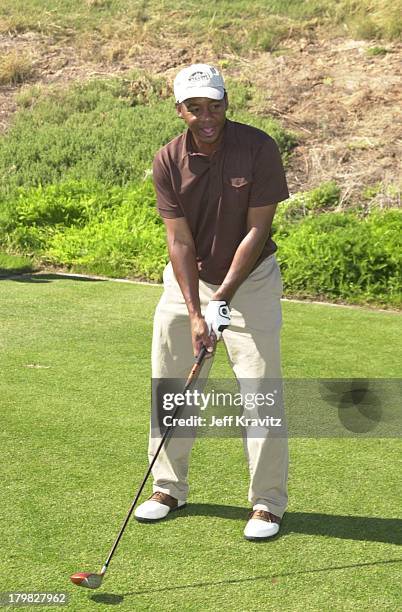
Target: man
217 188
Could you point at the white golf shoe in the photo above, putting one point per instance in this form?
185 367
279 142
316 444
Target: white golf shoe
157 507
261 524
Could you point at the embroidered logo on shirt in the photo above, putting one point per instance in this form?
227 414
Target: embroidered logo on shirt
238 182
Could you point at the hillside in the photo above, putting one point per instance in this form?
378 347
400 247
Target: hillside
340 96
86 101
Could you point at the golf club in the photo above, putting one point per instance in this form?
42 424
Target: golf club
93 581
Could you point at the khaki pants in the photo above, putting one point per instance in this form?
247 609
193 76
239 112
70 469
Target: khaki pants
253 345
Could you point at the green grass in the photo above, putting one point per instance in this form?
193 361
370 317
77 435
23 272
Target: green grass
12 264
93 131
341 255
75 392
103 130
88 227
222 25
374 51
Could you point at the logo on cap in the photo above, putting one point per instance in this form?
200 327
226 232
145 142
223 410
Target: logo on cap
198 76
198 79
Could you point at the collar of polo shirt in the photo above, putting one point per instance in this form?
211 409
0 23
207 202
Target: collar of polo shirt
187 148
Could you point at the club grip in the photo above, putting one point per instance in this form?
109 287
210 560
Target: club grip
201 355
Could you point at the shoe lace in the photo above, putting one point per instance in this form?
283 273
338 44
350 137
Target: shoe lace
158 495
267 516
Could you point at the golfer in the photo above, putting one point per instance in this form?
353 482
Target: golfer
217 187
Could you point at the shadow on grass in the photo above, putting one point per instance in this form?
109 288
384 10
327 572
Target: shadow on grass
115 599
365 528
346 527
17 271
45 277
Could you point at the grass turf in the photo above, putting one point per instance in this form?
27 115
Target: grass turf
75 389
223 25
13 264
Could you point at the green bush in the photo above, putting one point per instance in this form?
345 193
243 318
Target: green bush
325 197
66 204
96 131
128 240
114 231
105 131
32 215
374 51
73 194
340 256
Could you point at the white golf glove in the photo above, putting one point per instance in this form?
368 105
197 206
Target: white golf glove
217 317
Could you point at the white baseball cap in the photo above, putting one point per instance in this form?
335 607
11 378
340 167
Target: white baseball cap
199 81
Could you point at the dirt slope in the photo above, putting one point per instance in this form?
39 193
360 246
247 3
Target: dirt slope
344 104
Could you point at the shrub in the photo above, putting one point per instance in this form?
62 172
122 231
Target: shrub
31 215
373 51
104 131
323 198
341 256
114 231
89 133
127 240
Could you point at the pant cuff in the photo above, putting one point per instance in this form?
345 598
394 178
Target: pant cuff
272 508
180 496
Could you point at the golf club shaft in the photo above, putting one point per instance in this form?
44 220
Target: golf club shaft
191 378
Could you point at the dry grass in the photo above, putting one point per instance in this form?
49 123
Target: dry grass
372 20
383 195
15 68
16 24
340 104
113 43
97 3
321 163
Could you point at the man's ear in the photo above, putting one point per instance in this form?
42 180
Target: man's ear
179 109
225 97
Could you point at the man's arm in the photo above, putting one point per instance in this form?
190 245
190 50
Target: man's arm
259 222
183 257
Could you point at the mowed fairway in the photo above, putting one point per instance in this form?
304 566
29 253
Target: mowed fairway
75 396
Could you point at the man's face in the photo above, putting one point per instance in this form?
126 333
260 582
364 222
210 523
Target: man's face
205 118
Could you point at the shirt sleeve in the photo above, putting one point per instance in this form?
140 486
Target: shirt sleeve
269 182
166 200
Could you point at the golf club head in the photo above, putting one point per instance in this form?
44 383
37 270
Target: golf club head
87 580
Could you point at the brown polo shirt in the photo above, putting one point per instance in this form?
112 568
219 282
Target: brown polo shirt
214 193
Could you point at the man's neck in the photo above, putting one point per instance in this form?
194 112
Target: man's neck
206 148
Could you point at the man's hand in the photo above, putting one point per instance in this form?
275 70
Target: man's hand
217 317
200 336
